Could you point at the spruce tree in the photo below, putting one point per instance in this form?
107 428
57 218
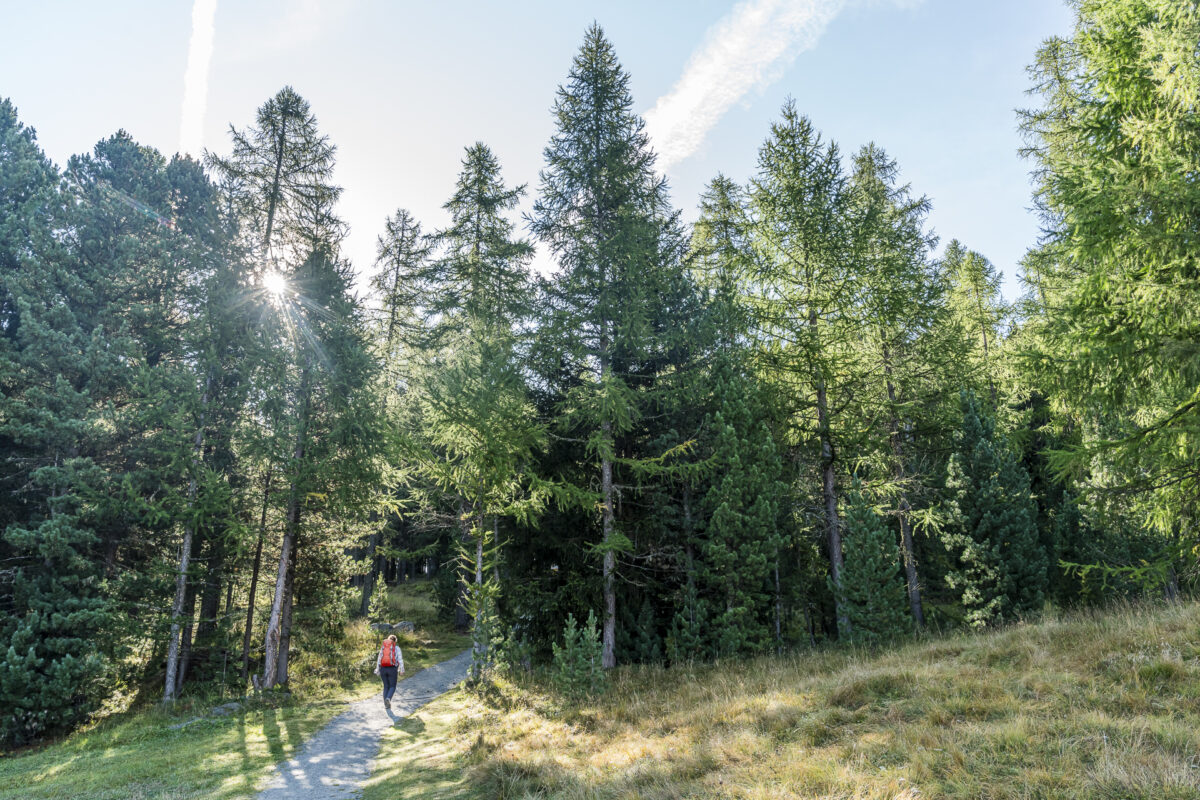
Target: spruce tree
740 535
1001 570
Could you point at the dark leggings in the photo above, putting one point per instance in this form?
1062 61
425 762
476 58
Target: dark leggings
389 681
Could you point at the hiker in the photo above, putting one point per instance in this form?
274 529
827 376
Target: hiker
389 662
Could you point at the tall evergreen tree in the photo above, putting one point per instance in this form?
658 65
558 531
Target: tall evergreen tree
805 319
1114 144
605 216
1002 566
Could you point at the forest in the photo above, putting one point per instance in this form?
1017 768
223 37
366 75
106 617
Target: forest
805 419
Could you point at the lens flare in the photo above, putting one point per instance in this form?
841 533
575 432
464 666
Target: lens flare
274 283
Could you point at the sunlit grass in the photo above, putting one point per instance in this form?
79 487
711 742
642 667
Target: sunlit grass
1082 706
136 756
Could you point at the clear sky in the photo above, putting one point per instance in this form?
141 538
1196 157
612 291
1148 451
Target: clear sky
402 88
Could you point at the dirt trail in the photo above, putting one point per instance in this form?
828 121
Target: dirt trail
333 764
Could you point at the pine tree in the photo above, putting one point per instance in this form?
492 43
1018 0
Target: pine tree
873 591
1001 569
978 310
480 429
905 357
740 537
321 425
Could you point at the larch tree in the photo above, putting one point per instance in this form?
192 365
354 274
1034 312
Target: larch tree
803 301
1115 144
604 214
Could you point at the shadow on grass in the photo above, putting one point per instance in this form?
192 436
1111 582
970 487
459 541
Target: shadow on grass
413 725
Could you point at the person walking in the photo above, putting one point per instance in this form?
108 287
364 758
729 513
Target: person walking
388 665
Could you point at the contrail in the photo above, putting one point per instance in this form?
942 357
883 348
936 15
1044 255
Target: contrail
748 48
195 80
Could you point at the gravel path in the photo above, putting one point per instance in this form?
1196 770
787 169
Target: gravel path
337 759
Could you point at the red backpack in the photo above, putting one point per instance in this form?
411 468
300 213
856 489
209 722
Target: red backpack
388 658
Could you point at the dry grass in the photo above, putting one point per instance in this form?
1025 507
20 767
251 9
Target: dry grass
1082 706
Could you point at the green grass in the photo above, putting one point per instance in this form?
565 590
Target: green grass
1103 705
418 757
135 756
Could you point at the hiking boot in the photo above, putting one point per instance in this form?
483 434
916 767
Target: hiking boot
387 704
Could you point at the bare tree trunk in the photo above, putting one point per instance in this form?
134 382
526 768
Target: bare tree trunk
909 552
833 527
262 529
185 555
277 637
185 638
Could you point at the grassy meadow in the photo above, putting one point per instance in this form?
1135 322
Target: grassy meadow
1092 705
135 755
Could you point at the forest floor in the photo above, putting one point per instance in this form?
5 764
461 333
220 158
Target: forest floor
142 754
1082 705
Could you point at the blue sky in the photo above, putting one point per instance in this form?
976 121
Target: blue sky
402 88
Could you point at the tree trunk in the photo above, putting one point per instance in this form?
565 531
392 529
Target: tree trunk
907 549
778 611
478 646
464 532
185 638
185 556
262 528
609 659
210 598
833 527
368 583
276 637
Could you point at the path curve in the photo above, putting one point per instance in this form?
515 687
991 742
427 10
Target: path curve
333 764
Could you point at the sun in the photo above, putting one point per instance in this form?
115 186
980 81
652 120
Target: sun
274 283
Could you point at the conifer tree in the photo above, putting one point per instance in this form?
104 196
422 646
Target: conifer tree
481 429
805 321
906 359
978 310
612 307
1114 144
1001 570
873 591
321 427
740 534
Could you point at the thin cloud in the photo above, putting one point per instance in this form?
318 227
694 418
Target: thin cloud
195 79
748 49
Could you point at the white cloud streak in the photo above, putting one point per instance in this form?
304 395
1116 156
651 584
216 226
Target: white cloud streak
747 49
195 79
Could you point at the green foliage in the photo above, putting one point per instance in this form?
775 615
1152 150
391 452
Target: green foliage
1001 570
578 673
378 611
1114 297
872 588
740 540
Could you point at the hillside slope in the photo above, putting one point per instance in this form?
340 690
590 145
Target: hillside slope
1103 705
